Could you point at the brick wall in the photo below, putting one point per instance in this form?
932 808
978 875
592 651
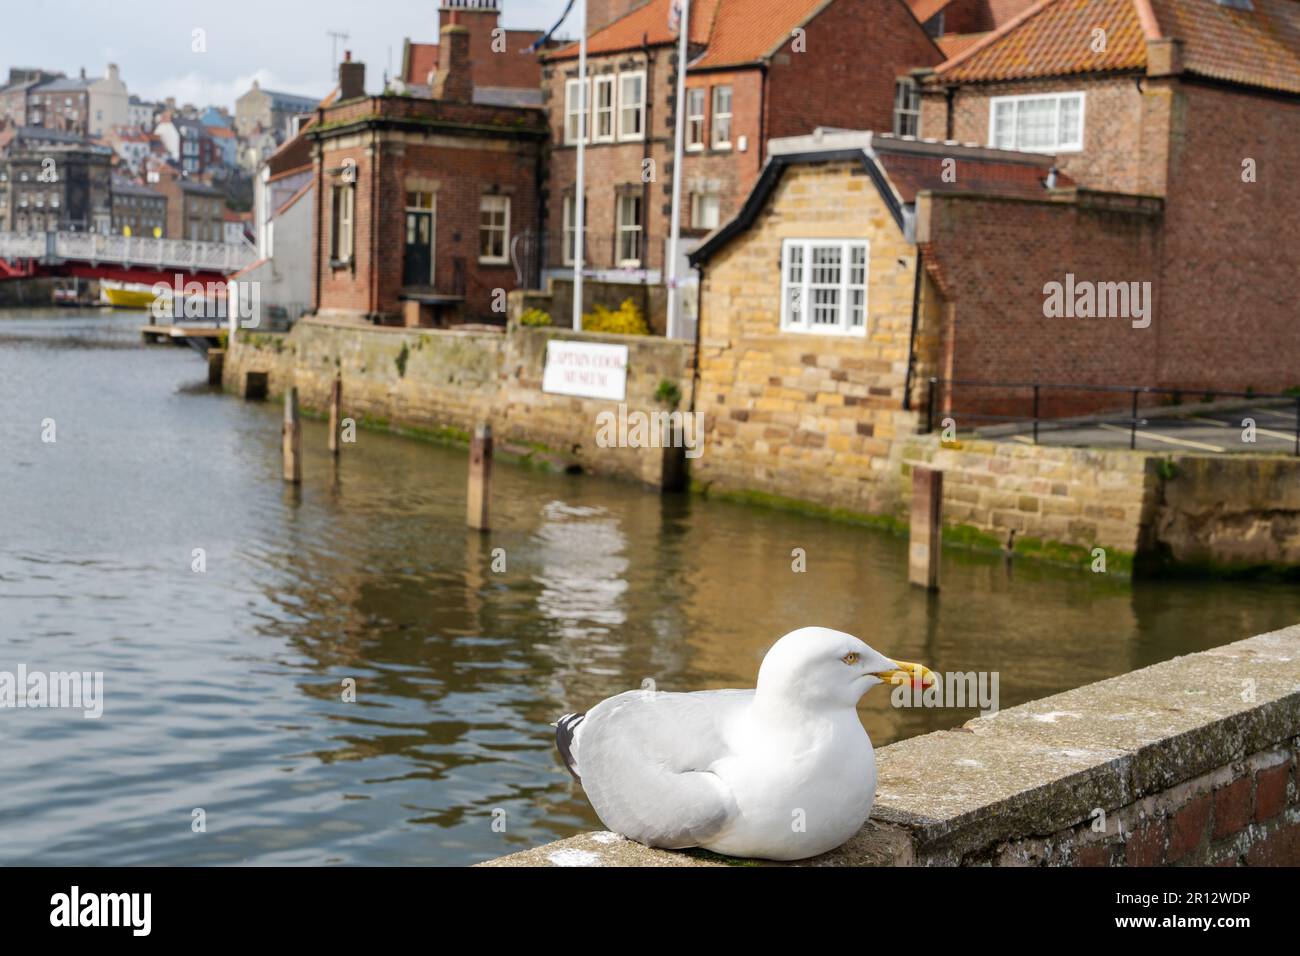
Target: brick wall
996 256
855 51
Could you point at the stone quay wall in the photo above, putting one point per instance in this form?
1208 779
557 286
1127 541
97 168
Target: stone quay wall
1190 761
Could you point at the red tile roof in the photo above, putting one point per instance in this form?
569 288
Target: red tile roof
733 32
746 31
645 26
1258 47
954 43
1054 38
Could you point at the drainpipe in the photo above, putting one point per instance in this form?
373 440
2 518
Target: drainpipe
911 338
320 206
373 256
948 94
646 188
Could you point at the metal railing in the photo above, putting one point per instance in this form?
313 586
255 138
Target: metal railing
225 257
1038 421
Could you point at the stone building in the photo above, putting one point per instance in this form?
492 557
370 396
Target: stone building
759 69
424 207
825 309
54 181
269 110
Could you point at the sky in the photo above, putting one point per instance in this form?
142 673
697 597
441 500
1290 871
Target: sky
281 43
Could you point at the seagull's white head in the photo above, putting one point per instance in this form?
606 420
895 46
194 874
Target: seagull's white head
816 666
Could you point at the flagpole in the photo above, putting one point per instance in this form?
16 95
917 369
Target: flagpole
580 202
674 295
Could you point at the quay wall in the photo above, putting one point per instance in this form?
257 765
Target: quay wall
445 381
1192 761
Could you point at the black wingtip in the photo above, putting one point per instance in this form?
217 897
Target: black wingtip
565 729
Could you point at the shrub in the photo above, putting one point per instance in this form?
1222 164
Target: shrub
535 317
627 320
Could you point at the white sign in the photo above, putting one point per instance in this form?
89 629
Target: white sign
585 369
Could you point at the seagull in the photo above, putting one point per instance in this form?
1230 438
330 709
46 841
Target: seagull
781 772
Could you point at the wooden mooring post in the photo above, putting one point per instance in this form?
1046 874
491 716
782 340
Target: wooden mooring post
479 498
926 528
336 413
291 434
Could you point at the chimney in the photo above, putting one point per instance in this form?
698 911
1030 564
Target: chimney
454 79
352 78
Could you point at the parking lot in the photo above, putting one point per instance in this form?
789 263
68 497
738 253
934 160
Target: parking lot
1222 430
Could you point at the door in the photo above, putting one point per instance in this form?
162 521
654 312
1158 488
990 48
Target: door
417 259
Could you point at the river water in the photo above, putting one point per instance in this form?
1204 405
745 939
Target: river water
222 687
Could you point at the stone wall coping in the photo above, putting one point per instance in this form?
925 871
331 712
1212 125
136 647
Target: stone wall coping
1040 767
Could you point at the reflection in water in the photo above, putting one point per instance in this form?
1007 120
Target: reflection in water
223 690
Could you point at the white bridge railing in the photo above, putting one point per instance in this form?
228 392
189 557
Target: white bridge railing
94 248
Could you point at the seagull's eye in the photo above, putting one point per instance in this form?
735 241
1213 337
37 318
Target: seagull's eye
851 657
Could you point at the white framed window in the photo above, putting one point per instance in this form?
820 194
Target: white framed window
706 210
602 130
722 117
570 227
341 228
574 110
494 229
907 107
629 229
631 105
1037 123
695 118
824 286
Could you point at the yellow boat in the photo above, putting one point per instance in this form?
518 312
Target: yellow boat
128 297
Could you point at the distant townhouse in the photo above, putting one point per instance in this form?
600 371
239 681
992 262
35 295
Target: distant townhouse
269 110
222 147
759 69
61 104
15 95
107 103
195 209
420 201
54 181
187 142
131 144
140 114
138 210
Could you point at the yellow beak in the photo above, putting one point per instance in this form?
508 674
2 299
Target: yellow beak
918 675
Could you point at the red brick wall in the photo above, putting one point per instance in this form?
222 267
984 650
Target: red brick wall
1231 261
855 51
509 67
997 255
1115 155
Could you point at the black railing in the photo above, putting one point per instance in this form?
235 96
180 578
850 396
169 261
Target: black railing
1036 390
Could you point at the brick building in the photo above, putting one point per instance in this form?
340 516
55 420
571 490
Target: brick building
195 209
426 209
1195 103
759 69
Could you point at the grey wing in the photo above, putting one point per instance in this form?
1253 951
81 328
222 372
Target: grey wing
644 763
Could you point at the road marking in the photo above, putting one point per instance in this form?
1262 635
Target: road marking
1164 438
1284 436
